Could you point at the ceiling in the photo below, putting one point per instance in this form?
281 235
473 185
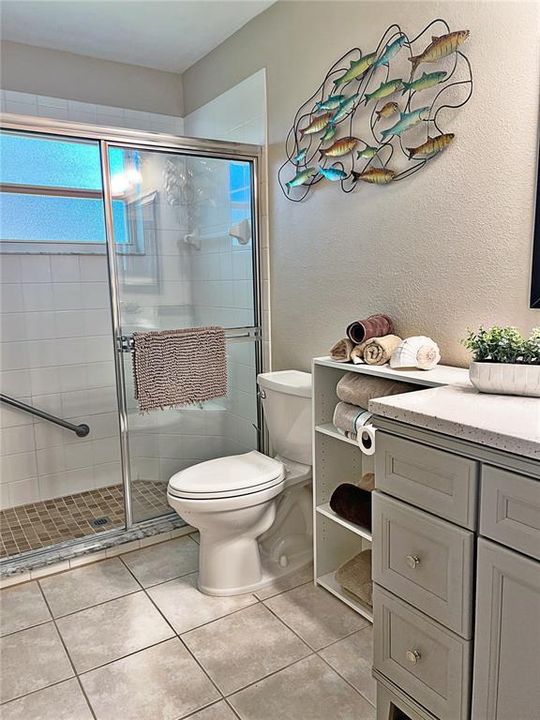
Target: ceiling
161 34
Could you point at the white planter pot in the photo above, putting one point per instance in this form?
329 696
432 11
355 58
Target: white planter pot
506 378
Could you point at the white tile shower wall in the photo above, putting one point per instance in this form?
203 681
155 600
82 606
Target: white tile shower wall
222 285
56 354
64 109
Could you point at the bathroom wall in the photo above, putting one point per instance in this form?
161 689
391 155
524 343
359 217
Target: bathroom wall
29 69
447 249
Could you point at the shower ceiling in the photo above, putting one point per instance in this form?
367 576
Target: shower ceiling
165 35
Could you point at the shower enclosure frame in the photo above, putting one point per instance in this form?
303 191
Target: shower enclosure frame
150 141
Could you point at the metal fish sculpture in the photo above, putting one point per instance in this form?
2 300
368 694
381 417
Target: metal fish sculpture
300 157
367 153
331 103
426 81
431 147
390 50
300 178
440 47
330 133
384 90
317 124
333 174
357 68
391 108
345 108
343 146
405 122
377 176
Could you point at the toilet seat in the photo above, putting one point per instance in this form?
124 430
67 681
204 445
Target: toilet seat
227 477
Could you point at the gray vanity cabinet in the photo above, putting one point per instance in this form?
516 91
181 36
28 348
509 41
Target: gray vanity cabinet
456 544
507 650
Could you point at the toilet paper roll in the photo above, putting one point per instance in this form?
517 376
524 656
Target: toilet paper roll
366 439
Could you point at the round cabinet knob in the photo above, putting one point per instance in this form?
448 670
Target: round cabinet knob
412 561
413 656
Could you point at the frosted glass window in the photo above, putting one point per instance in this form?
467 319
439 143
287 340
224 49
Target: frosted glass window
52 191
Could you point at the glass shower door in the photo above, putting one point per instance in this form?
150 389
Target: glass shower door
185 254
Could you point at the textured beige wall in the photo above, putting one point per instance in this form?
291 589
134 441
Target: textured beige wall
447 249
40 71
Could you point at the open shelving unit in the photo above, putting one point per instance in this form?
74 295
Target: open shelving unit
338 459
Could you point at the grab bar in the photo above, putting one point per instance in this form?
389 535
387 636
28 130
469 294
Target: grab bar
81 430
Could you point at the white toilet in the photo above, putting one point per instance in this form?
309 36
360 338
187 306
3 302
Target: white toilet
254 512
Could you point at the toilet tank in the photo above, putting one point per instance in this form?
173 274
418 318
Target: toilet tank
286 399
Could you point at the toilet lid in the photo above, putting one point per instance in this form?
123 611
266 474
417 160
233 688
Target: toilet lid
227 477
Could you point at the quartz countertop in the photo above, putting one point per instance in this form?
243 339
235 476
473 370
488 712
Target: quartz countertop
504 422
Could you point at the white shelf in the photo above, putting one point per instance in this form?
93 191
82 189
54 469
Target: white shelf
327 511
330 429
328 582
439 376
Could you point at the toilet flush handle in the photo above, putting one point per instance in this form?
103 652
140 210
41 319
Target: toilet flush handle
262 394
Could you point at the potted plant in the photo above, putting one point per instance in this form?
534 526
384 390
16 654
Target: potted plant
504 362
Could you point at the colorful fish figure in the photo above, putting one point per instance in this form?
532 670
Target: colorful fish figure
329 134
440 47
299 158
377 176
331 103
300 178
345 108
367 153
431 147
391 108
357 68
343 146
317 124
426 81
390 50
384 90
333 174
405 122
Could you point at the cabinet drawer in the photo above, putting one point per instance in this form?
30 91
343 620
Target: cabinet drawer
421 657
426 561
510 510
434 480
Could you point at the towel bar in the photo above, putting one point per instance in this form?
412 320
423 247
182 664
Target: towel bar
125 342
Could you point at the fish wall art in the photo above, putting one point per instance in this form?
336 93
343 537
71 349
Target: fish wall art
376 118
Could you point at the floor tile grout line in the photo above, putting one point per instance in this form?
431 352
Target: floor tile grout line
282 592
344 678
76 675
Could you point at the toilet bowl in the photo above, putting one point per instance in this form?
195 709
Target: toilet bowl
253 512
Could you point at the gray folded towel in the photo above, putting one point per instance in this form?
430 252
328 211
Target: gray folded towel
359 389
179 367
355 577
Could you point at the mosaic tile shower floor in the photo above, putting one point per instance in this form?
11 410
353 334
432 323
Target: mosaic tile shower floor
38 525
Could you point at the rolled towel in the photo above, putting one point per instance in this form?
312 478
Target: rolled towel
373 326
341 351
367 482
349 417
352 504
359 389
355 577
378 351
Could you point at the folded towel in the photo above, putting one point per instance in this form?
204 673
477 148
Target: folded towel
349 417
373 326
359 389
352 504
355 577
341 351
367 482
378 351
179 367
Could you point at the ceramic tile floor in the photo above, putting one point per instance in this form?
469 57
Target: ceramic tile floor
131 638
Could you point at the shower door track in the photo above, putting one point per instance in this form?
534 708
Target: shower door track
141 140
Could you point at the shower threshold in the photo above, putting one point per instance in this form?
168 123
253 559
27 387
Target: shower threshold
49 531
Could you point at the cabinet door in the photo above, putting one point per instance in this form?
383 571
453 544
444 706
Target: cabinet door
506 684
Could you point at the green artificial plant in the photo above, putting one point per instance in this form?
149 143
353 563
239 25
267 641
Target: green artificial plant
504 345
